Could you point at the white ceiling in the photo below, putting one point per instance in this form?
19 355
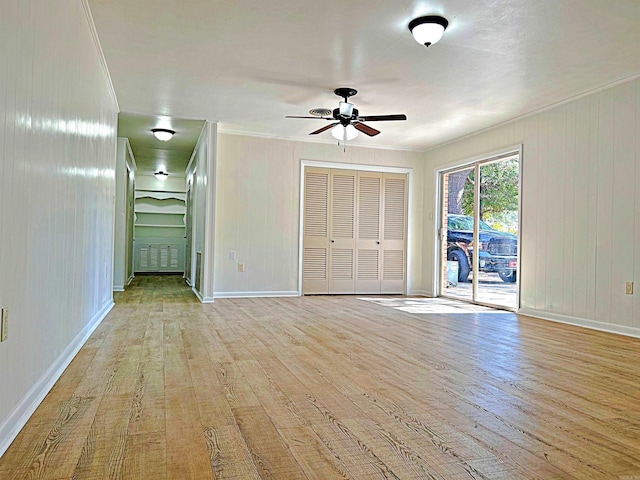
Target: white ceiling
247 63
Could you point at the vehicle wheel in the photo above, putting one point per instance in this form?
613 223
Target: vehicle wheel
507 277
463 264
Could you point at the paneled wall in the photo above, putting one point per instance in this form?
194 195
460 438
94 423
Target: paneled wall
258 209
123 234
580 207
57 182
200 168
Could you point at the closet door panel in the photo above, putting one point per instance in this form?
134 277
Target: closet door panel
315 255
393 245
342 202
369 225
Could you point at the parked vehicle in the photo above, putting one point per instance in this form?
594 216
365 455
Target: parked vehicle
498 251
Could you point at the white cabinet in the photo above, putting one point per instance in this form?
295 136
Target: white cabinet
159 257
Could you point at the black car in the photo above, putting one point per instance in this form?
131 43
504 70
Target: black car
498 250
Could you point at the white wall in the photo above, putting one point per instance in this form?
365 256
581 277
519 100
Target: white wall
258 203
201 174
580 207
57 147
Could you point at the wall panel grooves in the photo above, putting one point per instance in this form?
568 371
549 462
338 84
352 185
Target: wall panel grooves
580 223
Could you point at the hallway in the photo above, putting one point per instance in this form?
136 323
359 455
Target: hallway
332 387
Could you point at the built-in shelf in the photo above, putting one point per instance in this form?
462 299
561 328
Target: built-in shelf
158 226
160 195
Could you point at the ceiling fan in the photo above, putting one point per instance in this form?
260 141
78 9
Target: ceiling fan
347 119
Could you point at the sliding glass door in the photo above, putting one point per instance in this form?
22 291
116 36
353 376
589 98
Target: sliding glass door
479 231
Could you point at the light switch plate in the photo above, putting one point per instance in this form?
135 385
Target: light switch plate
241 267
629 288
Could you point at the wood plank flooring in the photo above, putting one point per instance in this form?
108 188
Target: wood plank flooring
332 387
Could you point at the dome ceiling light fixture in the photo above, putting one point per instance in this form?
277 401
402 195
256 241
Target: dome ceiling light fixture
163 134
428 30
160 175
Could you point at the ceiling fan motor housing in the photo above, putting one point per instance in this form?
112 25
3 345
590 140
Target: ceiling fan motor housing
343 119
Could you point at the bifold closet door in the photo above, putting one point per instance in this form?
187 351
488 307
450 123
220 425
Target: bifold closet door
394 232
342 201
354 232
315 254
369 224
381 232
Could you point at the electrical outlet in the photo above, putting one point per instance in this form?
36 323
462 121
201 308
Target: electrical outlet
629 288
241 267
4 324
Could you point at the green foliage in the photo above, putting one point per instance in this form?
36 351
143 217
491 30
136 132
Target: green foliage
498 193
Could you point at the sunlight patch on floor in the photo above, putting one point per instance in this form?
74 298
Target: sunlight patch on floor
429 305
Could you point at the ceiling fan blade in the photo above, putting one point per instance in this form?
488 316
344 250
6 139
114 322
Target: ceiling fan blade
366 129
316 118
383 118
323 129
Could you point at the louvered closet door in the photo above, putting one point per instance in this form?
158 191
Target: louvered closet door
354 232
315 255
342 201
394 228
369 223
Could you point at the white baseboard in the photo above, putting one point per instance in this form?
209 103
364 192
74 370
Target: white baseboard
130 279
17 419
287 293
581 322
421 293
201 298
118 288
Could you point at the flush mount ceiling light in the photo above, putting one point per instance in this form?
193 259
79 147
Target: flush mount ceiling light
160 175
163 134
428 30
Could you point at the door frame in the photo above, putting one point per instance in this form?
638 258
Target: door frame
438 227
365 168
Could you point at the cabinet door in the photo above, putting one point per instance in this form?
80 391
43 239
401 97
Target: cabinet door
174 258
164 257
143 258
154 252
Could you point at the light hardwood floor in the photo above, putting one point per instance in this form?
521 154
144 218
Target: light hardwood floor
332 387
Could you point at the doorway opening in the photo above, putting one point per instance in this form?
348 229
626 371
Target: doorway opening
479 231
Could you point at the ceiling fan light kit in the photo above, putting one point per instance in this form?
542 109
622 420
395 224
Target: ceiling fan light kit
429 29
342 133
163 134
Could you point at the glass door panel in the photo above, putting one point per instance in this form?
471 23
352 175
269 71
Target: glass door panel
485 214
456 234
497 232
